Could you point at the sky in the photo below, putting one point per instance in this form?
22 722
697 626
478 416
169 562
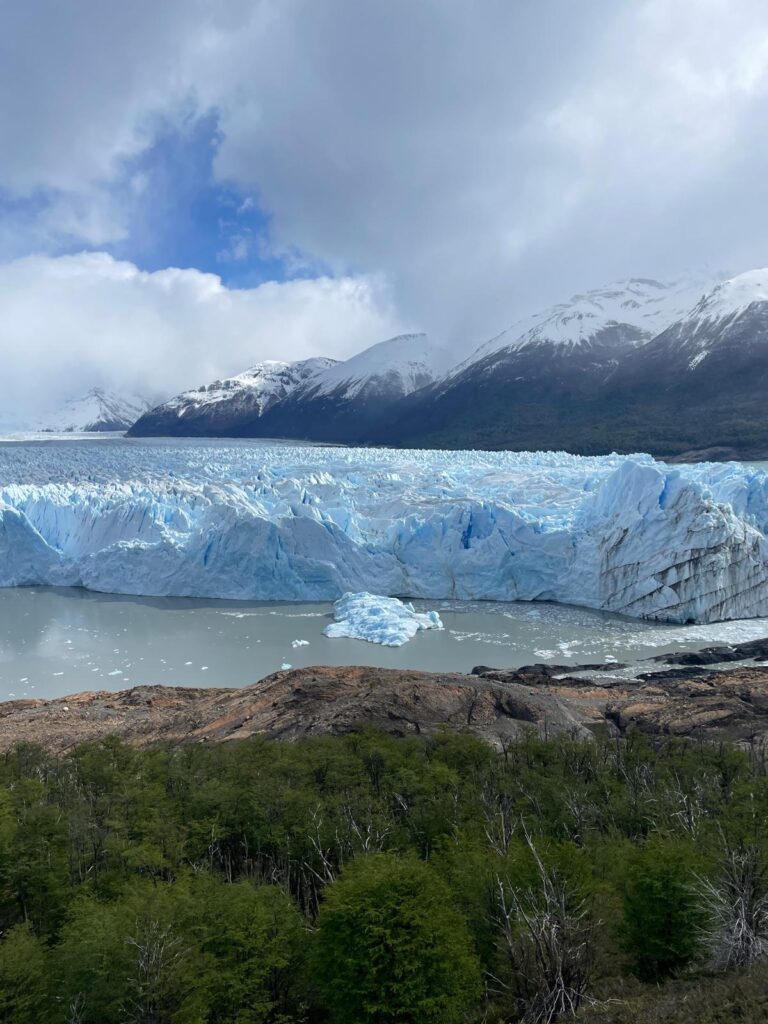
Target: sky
191 186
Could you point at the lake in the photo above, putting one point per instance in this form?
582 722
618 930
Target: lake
54 642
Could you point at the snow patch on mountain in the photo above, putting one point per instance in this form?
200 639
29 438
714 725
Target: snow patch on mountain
641 307
395 367
262 385
733 314
731 298
625 534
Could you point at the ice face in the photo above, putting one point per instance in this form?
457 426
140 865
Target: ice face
282 522
380 620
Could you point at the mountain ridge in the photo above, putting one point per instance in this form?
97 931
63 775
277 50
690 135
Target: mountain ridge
638 365
320 399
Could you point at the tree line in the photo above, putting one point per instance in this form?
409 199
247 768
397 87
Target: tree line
369 879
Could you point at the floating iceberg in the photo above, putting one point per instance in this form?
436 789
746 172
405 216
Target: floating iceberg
380 620
284 522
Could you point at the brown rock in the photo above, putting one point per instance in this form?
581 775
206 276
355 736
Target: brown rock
312 701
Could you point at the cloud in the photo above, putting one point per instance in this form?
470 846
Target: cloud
489 156
483 157
76 321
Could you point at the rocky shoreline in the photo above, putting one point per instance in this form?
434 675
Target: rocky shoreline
717 693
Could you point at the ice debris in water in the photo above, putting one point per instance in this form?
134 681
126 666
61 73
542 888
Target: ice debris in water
284 523
300 643
380 620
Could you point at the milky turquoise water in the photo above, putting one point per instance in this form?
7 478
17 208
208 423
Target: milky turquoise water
55 642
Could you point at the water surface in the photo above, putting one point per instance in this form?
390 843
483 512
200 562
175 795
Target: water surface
57 641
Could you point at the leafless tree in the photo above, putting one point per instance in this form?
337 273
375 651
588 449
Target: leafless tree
368 835
328 857
687 803
158 952
76 1010
736 905
549 938
500 818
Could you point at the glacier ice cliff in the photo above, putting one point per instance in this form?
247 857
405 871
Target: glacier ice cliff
284 522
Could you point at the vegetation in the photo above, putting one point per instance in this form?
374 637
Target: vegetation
626 423
372 880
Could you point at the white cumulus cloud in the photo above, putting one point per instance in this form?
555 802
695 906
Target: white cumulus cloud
72 322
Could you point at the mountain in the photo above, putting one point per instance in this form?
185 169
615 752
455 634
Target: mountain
351 401
678 369
228 408
317 399
701 383
624 313
95 411
529 386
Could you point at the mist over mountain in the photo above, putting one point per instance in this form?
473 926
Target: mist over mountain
95 411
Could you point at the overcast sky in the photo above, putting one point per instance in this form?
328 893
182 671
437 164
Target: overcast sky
190 186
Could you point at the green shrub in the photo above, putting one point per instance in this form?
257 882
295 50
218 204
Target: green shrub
392 948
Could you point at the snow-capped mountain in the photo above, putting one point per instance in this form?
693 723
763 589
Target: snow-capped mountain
673 369
96 410
732 297
623 314
731 318
683 372
319 399
701 383
395 367
515 389
227 407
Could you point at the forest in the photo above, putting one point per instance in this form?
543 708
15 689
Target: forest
372 879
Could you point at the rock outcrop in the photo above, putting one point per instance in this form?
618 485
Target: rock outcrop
696 701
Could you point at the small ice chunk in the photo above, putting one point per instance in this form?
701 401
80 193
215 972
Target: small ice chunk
300 643
115 672
380 620
285 666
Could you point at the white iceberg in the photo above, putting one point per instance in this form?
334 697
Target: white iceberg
284 522
379 620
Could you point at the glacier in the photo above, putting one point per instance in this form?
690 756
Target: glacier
273 522
379 620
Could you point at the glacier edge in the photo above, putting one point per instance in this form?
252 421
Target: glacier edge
622 534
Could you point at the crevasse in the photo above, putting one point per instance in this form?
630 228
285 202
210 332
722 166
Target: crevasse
232 520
